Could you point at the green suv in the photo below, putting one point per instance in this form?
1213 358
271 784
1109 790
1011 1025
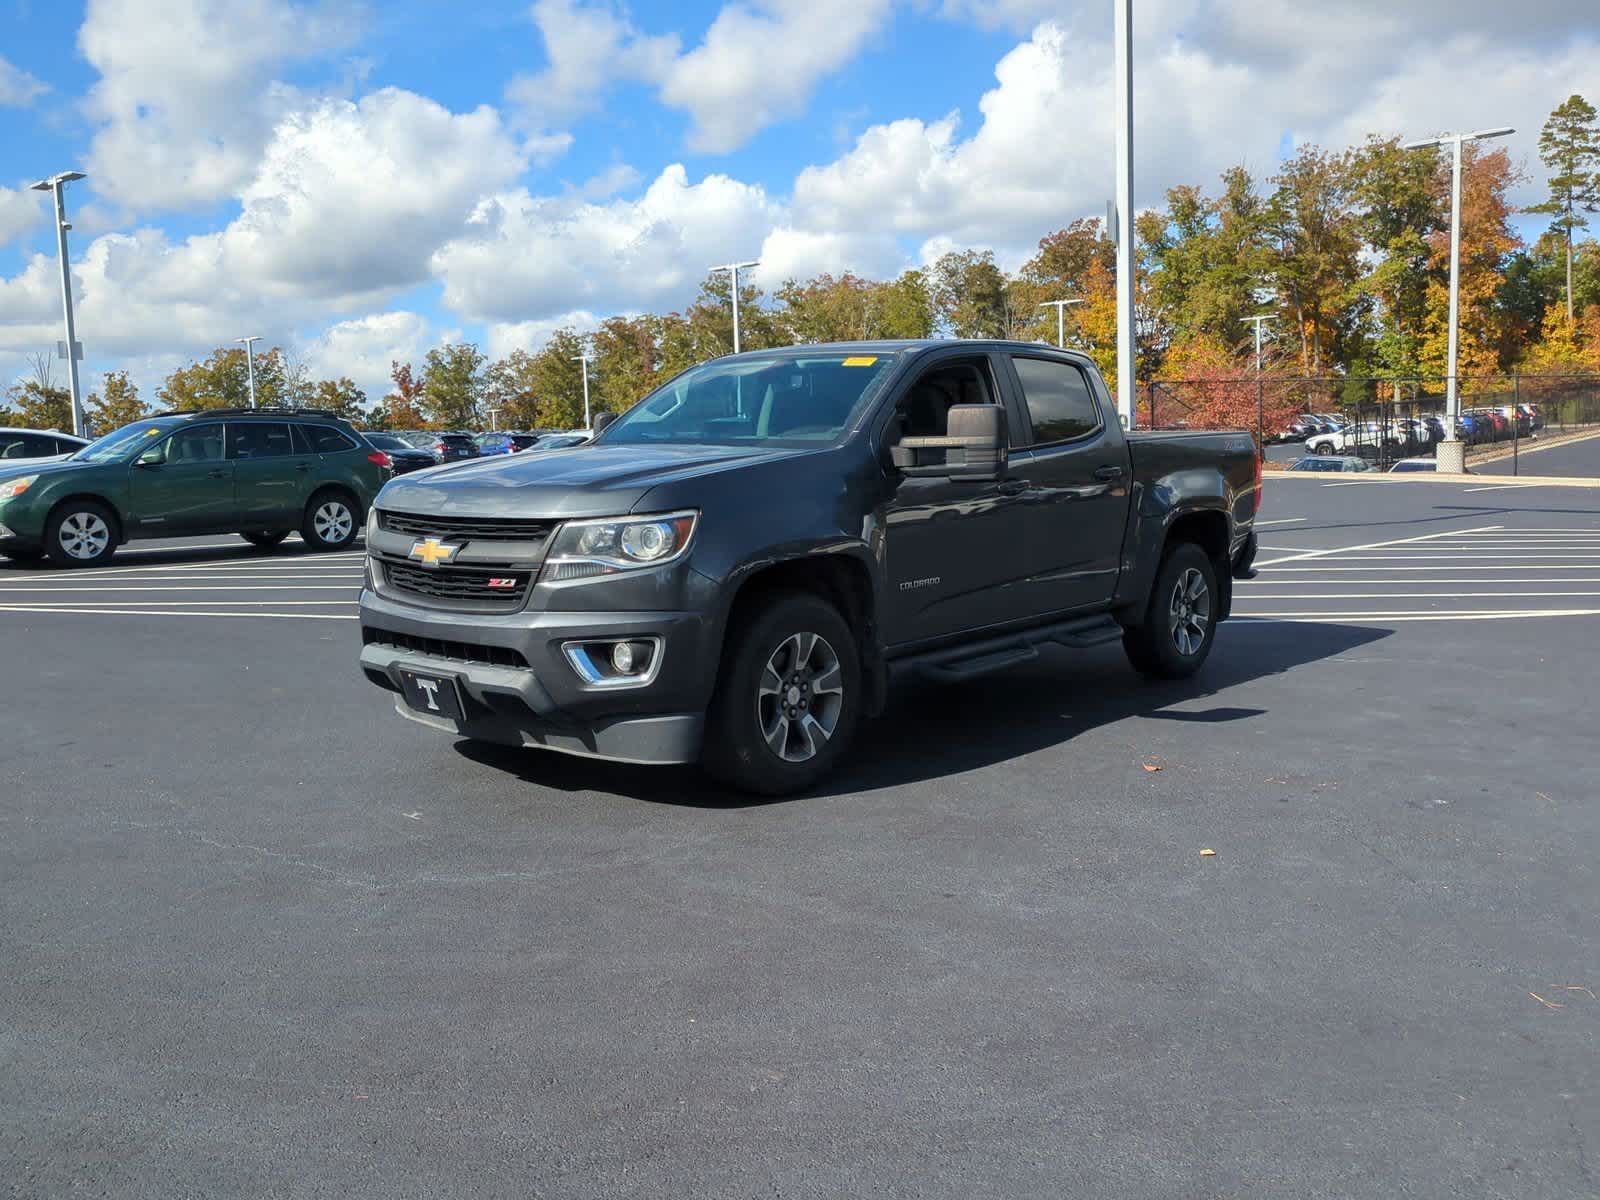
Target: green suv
261 473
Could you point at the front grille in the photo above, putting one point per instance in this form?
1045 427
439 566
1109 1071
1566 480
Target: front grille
471 652
464 586
493 528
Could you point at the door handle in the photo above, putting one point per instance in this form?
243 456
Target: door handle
1107 474
1013 487
216 474
303 467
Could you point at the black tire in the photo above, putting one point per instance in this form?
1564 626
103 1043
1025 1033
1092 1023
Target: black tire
265 539
1163 645
752 742
322 530
80 533
1323 448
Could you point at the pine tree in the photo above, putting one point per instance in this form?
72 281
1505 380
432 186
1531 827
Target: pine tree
1570 146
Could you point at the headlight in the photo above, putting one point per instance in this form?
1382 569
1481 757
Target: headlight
10 489
585 549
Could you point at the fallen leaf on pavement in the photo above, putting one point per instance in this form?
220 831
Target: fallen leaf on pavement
1208 852
1153 767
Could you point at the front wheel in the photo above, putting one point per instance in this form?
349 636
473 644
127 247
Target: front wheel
1323 448
789 698
1180 622
81 533
331 522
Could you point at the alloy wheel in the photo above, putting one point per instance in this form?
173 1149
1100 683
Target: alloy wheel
800 697
1189 612
85 536
333 521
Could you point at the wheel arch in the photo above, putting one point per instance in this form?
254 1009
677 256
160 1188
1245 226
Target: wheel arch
119 528
1208 529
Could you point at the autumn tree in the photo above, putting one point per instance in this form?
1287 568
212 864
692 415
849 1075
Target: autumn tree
969 294
116 404
38 405
222 380
339 396
508 391
1398 211
625 363
402 407
1316 245
1569 145
452 386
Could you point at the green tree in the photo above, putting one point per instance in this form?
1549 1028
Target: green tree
222 380
116 404
1398 209
1569 145
339 396
452 386
39 404
969 294
1315 261
557 380
902 308
508 390
625 363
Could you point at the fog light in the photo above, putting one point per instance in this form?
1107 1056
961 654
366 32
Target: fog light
622 658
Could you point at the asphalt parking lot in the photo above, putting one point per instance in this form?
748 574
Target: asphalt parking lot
265 938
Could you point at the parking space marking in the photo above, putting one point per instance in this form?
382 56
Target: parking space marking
1336 616
155 612
1426 537
1499 487
209 587
1283 521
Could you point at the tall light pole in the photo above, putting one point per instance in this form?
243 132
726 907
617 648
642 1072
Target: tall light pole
1061 317
1261 393
733 270
1452 455
250 362
56 185
1123 232
585 359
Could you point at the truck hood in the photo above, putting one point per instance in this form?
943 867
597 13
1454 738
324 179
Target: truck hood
585 481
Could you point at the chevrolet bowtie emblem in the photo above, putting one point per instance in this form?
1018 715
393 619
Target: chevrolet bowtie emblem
430 552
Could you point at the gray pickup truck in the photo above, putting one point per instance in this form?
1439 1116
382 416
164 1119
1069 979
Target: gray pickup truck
737 570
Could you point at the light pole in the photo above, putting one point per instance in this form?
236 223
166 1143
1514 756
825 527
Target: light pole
1261 396
585 359
1061 318
1455 457
733 270
1124 205
250 363
56 185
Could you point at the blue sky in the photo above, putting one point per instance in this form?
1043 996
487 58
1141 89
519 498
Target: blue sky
360 181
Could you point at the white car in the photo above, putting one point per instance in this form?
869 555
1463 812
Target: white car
1351 437
20 445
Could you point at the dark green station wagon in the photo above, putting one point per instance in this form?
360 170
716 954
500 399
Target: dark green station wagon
260 473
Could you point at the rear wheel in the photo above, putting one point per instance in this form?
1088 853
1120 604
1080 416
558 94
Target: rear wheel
1180 622
789 698
330 522
1323 448
81 533
264 539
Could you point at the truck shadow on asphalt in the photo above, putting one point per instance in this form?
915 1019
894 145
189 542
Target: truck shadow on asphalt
941 730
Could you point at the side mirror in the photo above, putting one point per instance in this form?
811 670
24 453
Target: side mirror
601 420
974 446
149 460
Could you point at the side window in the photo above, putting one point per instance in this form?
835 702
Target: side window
258 439
925 409
193 444
38 446
1060 404
325 439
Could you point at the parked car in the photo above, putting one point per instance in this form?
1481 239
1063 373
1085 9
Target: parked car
505 443
453 447
648 600
1407 465
258 472
563 441
405 457
1330 462
19 444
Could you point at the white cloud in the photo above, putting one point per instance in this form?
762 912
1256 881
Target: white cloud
20 210
760 64
18 89
365 348
526 257
506 336
186 97
587 47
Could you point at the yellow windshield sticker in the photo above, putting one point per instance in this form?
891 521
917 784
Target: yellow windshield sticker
861 361
152 432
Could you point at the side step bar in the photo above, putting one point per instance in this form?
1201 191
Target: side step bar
956 663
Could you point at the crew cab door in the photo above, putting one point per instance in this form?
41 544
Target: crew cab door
953 548
183 484
1078 483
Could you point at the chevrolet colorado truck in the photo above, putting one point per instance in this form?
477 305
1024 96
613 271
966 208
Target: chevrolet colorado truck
737 570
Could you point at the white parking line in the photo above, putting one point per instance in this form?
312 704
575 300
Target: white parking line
156 612
1500 487
218 587
1283 521
1426 537
1336 617
1458 567
1253 596
55 605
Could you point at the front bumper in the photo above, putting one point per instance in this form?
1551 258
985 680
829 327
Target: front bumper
517 687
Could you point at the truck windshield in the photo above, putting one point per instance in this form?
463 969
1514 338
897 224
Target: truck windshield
121 443
799 398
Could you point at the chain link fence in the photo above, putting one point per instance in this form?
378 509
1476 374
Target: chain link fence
1380 420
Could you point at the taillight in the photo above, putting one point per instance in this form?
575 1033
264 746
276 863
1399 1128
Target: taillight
379 459
439 447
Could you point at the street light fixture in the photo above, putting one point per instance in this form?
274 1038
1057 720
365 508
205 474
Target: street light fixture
733 270
1061 307
1455 458
56 185
585 359
250 363
1261 394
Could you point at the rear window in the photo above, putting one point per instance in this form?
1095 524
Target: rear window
455 439
325 439
1060 405
259 439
